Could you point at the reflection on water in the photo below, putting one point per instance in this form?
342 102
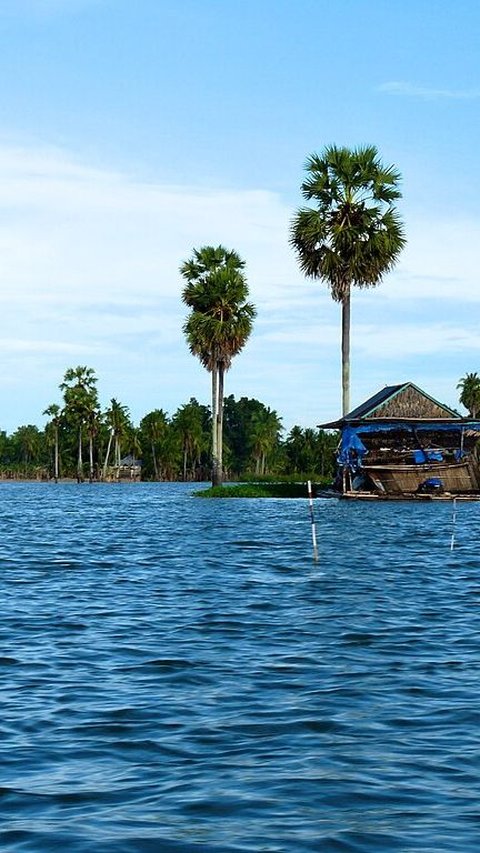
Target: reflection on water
178 675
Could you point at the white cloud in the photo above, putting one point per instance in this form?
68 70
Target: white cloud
419 339
86 235
89 264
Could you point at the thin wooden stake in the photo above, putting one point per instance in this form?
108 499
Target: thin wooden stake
312 519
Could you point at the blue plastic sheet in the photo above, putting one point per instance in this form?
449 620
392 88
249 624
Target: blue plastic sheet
420 457
352 449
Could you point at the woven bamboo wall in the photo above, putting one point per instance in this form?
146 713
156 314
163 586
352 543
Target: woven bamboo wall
402 480
409 403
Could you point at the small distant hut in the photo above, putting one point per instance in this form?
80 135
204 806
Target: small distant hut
130 468
402 442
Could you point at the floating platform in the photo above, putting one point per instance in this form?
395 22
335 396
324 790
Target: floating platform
375 496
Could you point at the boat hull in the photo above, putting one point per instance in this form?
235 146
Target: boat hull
456 478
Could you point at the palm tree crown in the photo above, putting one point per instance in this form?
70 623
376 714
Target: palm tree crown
219 323
353 235
469 387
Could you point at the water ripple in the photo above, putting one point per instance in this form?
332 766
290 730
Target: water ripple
178 675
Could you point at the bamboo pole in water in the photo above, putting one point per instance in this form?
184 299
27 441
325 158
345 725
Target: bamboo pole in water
454 521
312 519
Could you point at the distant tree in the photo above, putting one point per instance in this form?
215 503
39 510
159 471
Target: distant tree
55 414
188 423
353 235
294 446
265 429
117 419
26 443
4 446
81 408
153 430
310 451
218 326
469 387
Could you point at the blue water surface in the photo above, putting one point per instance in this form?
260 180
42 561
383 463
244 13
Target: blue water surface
178 674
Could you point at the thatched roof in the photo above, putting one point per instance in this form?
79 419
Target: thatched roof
397 403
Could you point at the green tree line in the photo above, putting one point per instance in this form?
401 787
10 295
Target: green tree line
83 442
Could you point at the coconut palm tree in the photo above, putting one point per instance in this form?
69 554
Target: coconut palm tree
353 235
54 412
218 326
81 407
469 387
188 423
265 429
117 418
153 428
27 444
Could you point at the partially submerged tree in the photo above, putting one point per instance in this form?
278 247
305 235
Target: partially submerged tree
353 235
218 326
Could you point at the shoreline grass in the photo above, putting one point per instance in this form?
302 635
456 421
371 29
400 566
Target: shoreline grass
292 489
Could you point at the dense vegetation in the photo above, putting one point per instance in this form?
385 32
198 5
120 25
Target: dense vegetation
83 442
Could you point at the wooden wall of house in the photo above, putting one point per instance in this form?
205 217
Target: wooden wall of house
410 403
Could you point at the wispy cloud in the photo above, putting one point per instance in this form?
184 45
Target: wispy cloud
413 90
89 264
415 339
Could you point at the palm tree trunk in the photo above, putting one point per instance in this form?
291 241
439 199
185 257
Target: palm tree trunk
107 456
117 455
185 451
221 378
57 457
80 458
154 459
90 458
215 470
346 352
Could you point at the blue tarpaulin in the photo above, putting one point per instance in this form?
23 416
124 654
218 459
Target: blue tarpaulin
423 456
352 449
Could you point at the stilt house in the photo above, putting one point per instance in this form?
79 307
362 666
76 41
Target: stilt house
403 442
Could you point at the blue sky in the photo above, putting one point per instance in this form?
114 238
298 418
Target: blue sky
132 132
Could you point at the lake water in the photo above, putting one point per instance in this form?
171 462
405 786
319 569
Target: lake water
177 675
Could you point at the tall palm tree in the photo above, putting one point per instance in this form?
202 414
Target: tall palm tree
54 412
81 407
469 387
153 427
353 235
187 421
117 418
218 326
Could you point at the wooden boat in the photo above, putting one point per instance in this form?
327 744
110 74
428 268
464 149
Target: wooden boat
454 477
